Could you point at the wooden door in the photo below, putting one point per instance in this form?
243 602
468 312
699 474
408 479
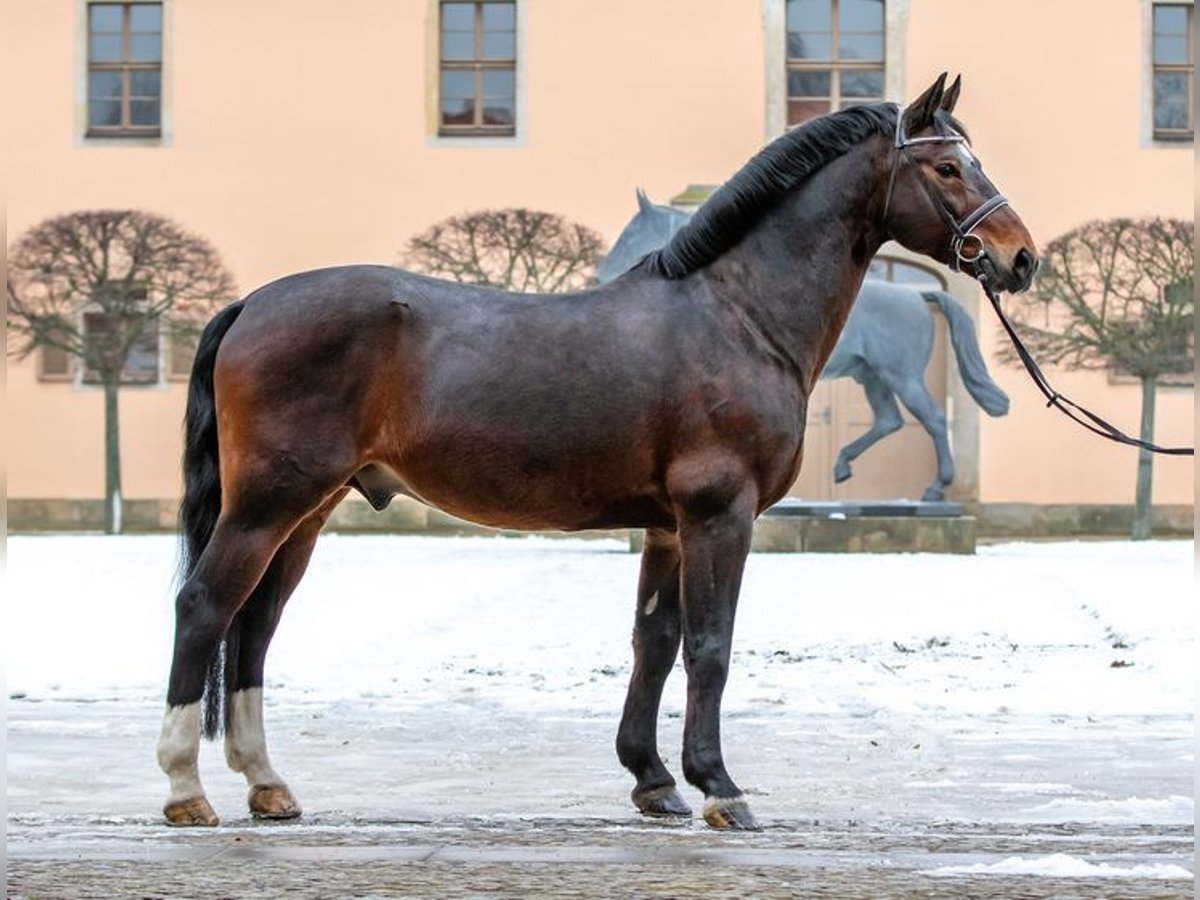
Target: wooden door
900 465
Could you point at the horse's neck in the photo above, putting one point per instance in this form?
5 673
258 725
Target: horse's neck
798 270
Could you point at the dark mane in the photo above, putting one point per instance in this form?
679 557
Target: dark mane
759 184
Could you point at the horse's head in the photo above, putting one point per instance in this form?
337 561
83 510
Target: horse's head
941 204
652 227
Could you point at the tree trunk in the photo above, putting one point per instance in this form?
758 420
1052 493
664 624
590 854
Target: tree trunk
1142 508
112 458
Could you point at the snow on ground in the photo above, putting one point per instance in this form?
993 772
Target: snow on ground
1094 629
1061 865
1027 686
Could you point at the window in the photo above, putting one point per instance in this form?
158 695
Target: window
1173 71
477 79
55 364
102 336
835 56
124 69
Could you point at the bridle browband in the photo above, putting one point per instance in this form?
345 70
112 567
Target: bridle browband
961 231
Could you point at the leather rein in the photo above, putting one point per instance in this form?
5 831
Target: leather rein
984 272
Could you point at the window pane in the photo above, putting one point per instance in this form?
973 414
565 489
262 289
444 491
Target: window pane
862 84
104 84
809 84
458 45
55 362
141 366
810 15
1170 49
1171 100
860 15
803 110
499 17
145 17
105 17
145 47
102 113
143 112
809 45
458 110
145 84
498 111
499 45
105 47
183 354
457 83
860 46
1170 19
498 83
458 16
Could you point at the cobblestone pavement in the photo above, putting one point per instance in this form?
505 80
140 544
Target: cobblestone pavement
342 857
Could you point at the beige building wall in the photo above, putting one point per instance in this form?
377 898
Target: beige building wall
299 136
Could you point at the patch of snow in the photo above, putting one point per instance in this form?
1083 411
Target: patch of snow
1061 865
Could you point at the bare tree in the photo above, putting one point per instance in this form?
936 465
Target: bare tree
99 289
1116 295
514 249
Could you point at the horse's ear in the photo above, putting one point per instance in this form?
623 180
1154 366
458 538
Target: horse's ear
950 98
643 201
920 112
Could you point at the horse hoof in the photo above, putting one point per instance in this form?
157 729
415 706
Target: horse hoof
191 813
663 801
730 813
932 495
273 801
841 473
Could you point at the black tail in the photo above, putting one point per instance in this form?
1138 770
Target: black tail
202 485
971 366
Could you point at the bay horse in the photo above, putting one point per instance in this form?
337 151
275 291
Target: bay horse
885 346
671 399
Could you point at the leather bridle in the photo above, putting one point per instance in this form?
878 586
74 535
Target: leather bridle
962 230
984 272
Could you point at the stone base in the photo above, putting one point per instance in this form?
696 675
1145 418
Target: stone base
864 534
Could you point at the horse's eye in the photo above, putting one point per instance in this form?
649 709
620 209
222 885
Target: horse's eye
946 170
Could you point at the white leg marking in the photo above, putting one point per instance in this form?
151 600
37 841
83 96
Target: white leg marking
178 750
652 604
246 740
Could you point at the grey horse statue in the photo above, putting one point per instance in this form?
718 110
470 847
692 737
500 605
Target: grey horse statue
885 346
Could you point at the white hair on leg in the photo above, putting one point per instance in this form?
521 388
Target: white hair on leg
652 604
246 739
179 750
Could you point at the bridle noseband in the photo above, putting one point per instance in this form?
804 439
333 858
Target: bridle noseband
961 231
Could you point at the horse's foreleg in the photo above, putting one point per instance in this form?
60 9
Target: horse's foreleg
887 420
230 567
714 542
250 635
656 635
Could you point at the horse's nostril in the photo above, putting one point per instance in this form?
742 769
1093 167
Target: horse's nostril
1024 266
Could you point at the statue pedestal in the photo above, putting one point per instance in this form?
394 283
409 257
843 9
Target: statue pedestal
864 526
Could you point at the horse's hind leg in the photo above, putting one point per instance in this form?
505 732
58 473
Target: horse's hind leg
228 569
887 420
917 400
656 636
249 637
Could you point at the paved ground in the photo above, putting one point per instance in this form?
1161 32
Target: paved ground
432 804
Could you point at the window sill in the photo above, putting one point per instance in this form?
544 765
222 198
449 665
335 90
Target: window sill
123 139
475 140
